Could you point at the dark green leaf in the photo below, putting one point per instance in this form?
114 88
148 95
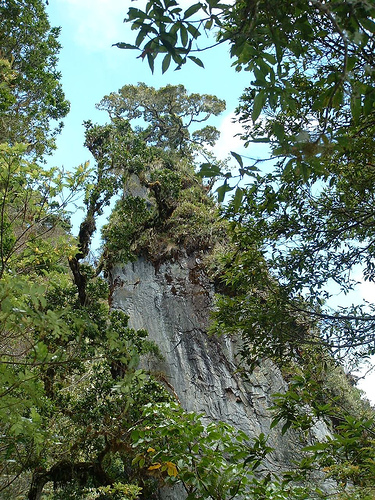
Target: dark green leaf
151 59
258 104
168 43
197 61
369 24
184 35
192 10
134 13
237 157
237 199
209 170
355 106
208 24
195 33
166 63
140 37
221 191
286 426
122 45
278 130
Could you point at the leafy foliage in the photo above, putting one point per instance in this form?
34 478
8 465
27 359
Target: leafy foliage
211 460
312 238
79 419
67 369
311 97
164 205
169 113
328 46
29 48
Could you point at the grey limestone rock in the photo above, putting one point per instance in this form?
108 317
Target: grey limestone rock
172 301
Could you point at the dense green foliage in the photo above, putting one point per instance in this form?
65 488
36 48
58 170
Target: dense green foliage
149 219
70 387
303 231
164 206
169 113
311 96
29 49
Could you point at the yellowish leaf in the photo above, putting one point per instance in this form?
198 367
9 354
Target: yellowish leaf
154 466
172 469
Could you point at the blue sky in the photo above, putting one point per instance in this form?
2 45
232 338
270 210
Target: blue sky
92 68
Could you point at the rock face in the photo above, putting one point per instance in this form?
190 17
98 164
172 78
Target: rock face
172 302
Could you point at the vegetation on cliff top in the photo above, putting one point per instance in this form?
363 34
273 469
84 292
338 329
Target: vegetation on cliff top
163 208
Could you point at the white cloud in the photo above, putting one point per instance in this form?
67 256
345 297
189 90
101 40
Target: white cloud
96 23
367 290
229 139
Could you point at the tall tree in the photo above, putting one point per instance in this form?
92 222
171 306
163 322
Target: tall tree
71 395
30 46
170 114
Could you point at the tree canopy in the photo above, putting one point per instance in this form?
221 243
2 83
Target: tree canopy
311 97
32 99
169 114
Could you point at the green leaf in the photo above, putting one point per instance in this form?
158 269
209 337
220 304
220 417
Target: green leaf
197 61
184 35
194 32
274 422
168 42
221 191
369 103
355 107
192 10
166 63
134 13
258 104
140 37
209 170
278 130
269 57
151 61
237 157
369 24
6 305
208 24
237 199
122 45
285 427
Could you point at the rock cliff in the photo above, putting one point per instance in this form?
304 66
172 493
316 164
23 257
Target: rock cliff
166 290
173 302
